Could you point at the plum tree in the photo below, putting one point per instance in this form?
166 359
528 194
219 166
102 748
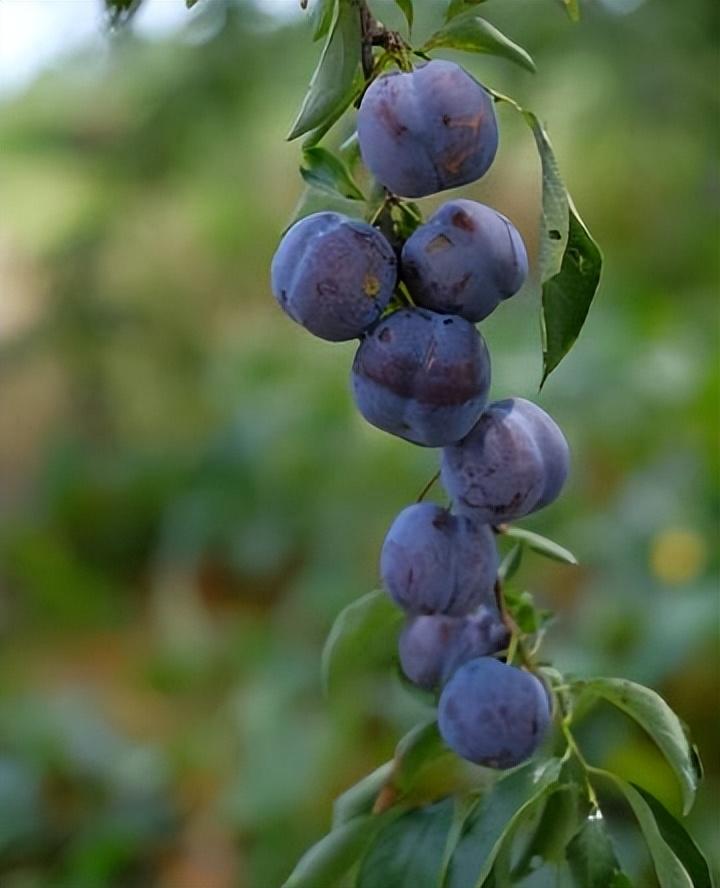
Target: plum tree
334 275
427 130
464 260
422 376
435 562
493 714
433 647
513 462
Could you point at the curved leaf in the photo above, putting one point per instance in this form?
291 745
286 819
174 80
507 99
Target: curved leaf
323 170
321 16
408 853
471 33
591 856
654 715
360 798
406 7
540 544
333 855
331 88
363 636
457 7
670 871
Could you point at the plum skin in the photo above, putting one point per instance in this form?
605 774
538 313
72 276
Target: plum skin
466 259
422 376
432 647
334 275
513 462
427 130
435 562
493 714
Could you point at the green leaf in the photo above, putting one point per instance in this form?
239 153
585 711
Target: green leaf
408 853
463 808
654 715
540 544
471 33
332 85
363 636
573 9
325 171
332 856
566 297
190 3
360 798
418 748
522 607
494 818
591 856
457 7
315 200
511 563
321 17
670 871
406 7
564 811
677 837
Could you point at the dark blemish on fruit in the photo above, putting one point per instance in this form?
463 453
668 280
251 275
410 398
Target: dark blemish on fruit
385 335
462 220
447 321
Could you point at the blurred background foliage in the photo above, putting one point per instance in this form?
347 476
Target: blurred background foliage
188 498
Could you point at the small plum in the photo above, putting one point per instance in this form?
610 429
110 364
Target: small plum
422 376
513 462
433 647
493 714
465 260
433 562
427 130
334 275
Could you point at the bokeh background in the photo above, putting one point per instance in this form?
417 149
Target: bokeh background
188 498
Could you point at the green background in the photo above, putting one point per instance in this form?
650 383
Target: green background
188 498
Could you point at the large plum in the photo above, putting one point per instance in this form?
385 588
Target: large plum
433 647
427 130
334 275
422 376
513 462
433 562
493 714
464 260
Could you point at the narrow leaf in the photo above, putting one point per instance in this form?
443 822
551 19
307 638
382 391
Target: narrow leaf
494 818
363 637
408 853
654 715
457 7
418 748
464 807
511 563
572 8
360 798
325 171
406 7
471 33
566 297
669 869
321 17
331 87
677 837
540 544
591 856
332 856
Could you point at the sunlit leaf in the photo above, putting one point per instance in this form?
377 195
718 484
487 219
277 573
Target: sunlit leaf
653 714
471 33
669 869
331 87
540 544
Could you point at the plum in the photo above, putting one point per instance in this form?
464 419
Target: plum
433 647
433 562
427 130
422 376
493 714
513 462
465 260
334 275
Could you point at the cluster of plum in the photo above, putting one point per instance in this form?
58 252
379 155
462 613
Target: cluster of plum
422 372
